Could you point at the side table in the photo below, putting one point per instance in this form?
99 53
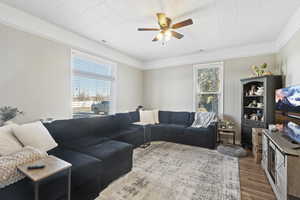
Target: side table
53 165
145 126
226 131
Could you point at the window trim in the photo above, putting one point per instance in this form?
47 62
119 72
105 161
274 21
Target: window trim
112 78
219 65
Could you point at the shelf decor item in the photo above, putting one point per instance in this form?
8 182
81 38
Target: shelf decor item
258 104
226 124
260 91
260 70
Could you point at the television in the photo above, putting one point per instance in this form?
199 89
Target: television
292 131
288 101
288 112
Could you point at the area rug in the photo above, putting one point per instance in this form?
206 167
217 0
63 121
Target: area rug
168 171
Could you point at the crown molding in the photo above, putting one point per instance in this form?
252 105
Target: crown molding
212 56
28 23
289 30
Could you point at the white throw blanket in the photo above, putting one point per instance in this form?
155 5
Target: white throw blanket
9 173
204 119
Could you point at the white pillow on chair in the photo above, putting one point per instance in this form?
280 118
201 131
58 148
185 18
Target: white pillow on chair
147 116
8 142
36 135
156 116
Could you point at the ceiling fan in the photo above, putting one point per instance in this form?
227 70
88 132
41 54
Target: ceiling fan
166 27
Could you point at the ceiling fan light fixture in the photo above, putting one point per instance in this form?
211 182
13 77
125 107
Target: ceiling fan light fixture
160 36
168 35
166 28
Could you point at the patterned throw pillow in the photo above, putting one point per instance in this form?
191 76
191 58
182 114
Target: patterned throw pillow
9 173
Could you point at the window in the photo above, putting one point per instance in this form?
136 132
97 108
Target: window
93 83
208 88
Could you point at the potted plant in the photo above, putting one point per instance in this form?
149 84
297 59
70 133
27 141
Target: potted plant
8 113
261 70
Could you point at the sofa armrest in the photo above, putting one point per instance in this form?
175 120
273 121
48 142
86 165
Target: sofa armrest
214 133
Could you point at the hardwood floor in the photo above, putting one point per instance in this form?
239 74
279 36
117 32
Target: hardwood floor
254 183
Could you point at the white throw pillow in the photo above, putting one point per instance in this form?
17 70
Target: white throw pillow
156 116
35 135
8 142
147 116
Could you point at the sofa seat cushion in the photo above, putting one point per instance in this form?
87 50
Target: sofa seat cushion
167 132
21 190
108 150
198 131
84 142
116 158
176 129
84 167
204 137
159 131
133 136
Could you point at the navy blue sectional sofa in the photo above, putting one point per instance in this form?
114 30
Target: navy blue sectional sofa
100 150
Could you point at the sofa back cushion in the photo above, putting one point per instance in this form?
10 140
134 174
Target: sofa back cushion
181 118
124 120
103 126
67 130
135 116
192 118
164 117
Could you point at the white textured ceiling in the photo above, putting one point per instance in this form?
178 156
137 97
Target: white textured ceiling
217 23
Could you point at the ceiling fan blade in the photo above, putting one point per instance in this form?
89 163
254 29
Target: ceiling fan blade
162 20
155 39
182 24
177 35
148 29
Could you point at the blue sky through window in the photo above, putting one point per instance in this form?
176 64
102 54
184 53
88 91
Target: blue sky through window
89 86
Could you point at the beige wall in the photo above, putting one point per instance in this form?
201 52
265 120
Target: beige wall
129 88
169 88
172 88
288 59
35 77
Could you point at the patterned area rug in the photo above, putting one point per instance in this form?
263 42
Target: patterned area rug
167 171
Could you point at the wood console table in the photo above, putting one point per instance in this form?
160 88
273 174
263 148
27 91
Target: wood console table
281 162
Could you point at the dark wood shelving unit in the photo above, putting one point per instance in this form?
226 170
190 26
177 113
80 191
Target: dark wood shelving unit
265 115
